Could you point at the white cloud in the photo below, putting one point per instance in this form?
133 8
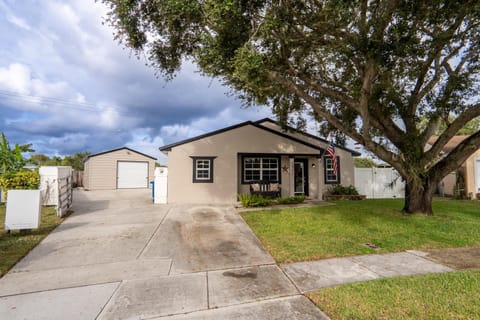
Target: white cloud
142 142
18 22
13 19
16 77
176 131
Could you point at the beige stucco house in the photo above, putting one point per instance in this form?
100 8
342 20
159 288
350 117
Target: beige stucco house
122 168
470 170
217 166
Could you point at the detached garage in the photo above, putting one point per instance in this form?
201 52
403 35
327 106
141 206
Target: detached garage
122 168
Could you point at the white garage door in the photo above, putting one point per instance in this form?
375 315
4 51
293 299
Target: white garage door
132 175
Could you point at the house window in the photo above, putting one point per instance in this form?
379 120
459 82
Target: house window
260 168
329 175
203 169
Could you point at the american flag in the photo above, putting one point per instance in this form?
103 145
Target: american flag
331 153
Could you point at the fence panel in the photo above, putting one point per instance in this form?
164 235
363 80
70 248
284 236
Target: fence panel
56 185
77 178
378 183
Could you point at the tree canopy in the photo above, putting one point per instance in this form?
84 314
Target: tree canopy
76 161
366 69
364 163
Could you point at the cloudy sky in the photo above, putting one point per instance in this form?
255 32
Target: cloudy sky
66 86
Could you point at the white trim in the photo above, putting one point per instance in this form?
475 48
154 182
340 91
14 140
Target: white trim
207 167
261 168
329 170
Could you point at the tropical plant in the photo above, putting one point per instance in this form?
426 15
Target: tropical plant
11 159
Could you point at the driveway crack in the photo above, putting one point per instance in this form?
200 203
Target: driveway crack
153 235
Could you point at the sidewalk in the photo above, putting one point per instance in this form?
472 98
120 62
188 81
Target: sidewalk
314 275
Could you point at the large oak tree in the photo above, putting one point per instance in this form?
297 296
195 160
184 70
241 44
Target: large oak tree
367 69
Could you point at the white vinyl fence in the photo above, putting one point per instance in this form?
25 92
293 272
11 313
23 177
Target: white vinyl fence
378 183
56 186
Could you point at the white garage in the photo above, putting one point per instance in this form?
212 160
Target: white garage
122 168
132 174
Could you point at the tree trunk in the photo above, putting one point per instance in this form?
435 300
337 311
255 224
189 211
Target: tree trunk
418 196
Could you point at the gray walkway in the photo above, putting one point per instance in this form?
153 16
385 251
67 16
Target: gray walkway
121 257
313 275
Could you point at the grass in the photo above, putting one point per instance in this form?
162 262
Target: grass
300 234
16 245
452 295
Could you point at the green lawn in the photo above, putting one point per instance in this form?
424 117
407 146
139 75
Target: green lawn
454 295
300 234
16 245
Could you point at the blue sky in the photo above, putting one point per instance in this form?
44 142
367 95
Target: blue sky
66 86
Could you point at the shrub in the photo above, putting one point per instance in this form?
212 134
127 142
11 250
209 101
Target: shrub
24 179
341 190
291 200
253 200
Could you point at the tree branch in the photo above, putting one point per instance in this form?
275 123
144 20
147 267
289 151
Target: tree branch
457 156
365 92
371 145
385 124
451 130
419 91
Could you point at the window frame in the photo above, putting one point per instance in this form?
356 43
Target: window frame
196 169
261 169
325 170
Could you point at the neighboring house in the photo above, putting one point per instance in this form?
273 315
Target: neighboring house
217 166
121 168
470 170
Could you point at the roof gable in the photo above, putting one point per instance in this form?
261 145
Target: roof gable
118 149
247 123
451 144
353 152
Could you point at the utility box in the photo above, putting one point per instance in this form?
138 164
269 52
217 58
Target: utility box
161 183
23 210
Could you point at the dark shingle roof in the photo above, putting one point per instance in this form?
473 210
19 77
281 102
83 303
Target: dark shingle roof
170 146
118 149
260 126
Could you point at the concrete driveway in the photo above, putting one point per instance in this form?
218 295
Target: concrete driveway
121 257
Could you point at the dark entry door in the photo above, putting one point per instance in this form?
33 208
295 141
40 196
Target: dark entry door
301 176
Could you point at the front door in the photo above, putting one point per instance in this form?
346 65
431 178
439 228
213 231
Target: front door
301 176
